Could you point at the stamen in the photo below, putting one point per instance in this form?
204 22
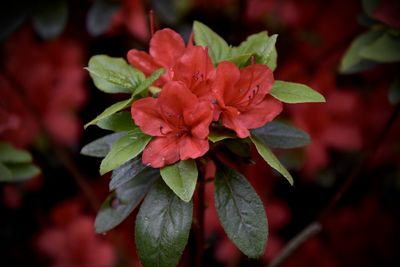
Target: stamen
161 130
151 15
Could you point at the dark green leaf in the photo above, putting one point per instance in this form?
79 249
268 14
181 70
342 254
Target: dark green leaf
369 6
114 75
240 212
118 122
100 16
126 172
384 49
289 92
124 200
204 36
270 158
111 110
280 135
240 147
12 15
10 154
394 91
22 171
50 18
124 149
181 178
162 227
102 146
352 61
5 173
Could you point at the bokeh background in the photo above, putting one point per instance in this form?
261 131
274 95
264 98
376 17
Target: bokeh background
46 96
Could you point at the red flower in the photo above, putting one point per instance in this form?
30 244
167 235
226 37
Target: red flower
166 47
179 122
242 97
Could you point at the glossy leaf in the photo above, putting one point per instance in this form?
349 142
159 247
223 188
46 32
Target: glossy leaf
352 61
289 92
124 149
126 172
149 81
385 49
239 147
240 211
218 49
50 18
270 158
10 154
110 111
114 75
124 200
5 173
100 15
102 146
118 122
279 135
181 178
162 227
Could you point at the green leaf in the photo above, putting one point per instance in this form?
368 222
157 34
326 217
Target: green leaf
126 172
217 134
149 81
239 147
10 154
110 111
394 91
50 18
181 178
124 200
239 60
102 146
280 135
204 36
369 6
100 15
5 173
124 149
114 75
385 49
270 158
162 227
352 61
240 211
22 171
260 45
118 122
289 92
12 16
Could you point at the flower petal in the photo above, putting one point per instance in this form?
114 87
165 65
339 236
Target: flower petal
146 114
229 119
166 47
199 119
142 61
223 85
261 113
191 148
161 151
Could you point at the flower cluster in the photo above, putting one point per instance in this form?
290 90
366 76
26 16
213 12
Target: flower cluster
193 95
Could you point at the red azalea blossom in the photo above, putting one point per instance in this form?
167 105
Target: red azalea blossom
242 97
179 122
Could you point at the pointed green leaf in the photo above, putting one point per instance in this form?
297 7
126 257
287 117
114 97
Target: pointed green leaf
162 227
23 171
124 149
50 18
181 178
149 81
352 61
118 122
100 15
204 36
240 211
385 49
217 135
270 158
102 146
279 135
289 92
126 172
124 200
239 147
394 91
110 111
114 75
5 173
10 154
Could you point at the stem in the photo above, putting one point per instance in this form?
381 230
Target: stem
317 226
199 230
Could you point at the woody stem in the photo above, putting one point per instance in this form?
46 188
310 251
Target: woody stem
199 229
